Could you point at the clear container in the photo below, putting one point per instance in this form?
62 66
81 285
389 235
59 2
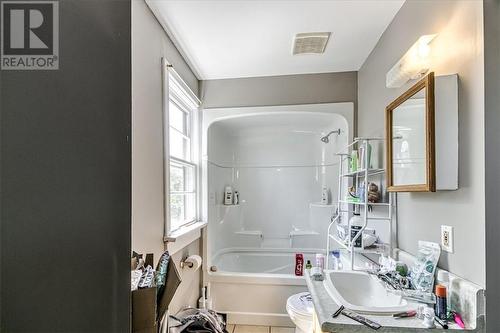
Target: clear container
336 263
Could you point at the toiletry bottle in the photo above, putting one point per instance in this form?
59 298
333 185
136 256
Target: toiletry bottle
208 300
228 195
441 308
299 264
354 160
338 262
357 223
324 195
202 302
236 198
368 155
309 265
361 157
332 261
320 260
360 191
444 280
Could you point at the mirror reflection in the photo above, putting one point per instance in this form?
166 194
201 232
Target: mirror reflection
409 141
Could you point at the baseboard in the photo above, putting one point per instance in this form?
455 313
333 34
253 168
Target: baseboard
264 319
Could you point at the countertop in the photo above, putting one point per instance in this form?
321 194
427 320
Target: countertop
324 306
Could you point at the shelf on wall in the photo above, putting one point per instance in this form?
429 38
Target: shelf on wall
302 233
377 248
363 203
320 205
371 172
249 233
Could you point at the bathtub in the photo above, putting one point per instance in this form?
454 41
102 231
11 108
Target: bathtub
252 285
261 261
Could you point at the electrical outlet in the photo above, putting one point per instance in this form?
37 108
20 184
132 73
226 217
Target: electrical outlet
447 238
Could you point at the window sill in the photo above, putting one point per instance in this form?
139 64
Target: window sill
184 236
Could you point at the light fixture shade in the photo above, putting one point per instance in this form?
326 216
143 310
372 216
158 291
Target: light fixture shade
413 65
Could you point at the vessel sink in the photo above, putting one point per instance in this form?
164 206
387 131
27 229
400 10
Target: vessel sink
362 292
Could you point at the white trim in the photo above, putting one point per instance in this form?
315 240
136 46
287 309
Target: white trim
175 89
153 5
261 319
182 90
182 237
166 147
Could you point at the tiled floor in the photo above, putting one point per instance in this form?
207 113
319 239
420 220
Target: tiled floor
258 329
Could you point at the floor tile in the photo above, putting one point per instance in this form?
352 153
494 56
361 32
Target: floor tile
251 329
230 328
282 330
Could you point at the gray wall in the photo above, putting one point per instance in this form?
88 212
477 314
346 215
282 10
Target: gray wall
149 44
65 180
280 90
457 49
492 142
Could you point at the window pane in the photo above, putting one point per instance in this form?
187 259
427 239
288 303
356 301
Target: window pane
178 119
180 146
182 209
177 210
176 178
182 177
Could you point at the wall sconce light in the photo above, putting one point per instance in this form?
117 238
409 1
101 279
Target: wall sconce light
413 65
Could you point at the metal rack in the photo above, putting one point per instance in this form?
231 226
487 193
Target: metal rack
359 175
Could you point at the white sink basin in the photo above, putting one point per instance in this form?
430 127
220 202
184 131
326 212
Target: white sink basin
362 292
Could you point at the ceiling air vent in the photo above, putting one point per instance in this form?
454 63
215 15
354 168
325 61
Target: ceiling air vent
310 42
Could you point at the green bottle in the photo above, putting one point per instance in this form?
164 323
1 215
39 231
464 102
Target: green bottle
354 160
309 265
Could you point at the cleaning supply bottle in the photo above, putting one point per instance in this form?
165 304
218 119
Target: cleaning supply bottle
356 223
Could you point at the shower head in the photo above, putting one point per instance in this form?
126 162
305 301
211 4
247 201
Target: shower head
325 138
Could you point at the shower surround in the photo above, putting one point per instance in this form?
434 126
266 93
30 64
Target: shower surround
278 161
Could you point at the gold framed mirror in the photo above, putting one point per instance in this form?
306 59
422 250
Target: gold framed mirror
410 146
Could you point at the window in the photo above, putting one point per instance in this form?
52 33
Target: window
183 154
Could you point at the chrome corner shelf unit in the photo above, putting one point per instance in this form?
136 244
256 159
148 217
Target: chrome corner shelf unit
346 207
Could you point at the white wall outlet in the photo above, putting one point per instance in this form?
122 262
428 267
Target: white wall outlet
447 238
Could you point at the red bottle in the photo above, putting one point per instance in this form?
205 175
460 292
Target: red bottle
299 264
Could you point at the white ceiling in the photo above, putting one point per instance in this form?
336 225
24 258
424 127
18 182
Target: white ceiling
247 38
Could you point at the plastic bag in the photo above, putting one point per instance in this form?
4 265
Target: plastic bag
422 271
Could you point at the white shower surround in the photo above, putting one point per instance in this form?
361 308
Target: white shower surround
258 149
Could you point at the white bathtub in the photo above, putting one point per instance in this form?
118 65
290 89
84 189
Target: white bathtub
259 261
252 285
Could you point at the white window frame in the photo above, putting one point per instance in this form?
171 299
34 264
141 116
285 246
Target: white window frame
177 91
